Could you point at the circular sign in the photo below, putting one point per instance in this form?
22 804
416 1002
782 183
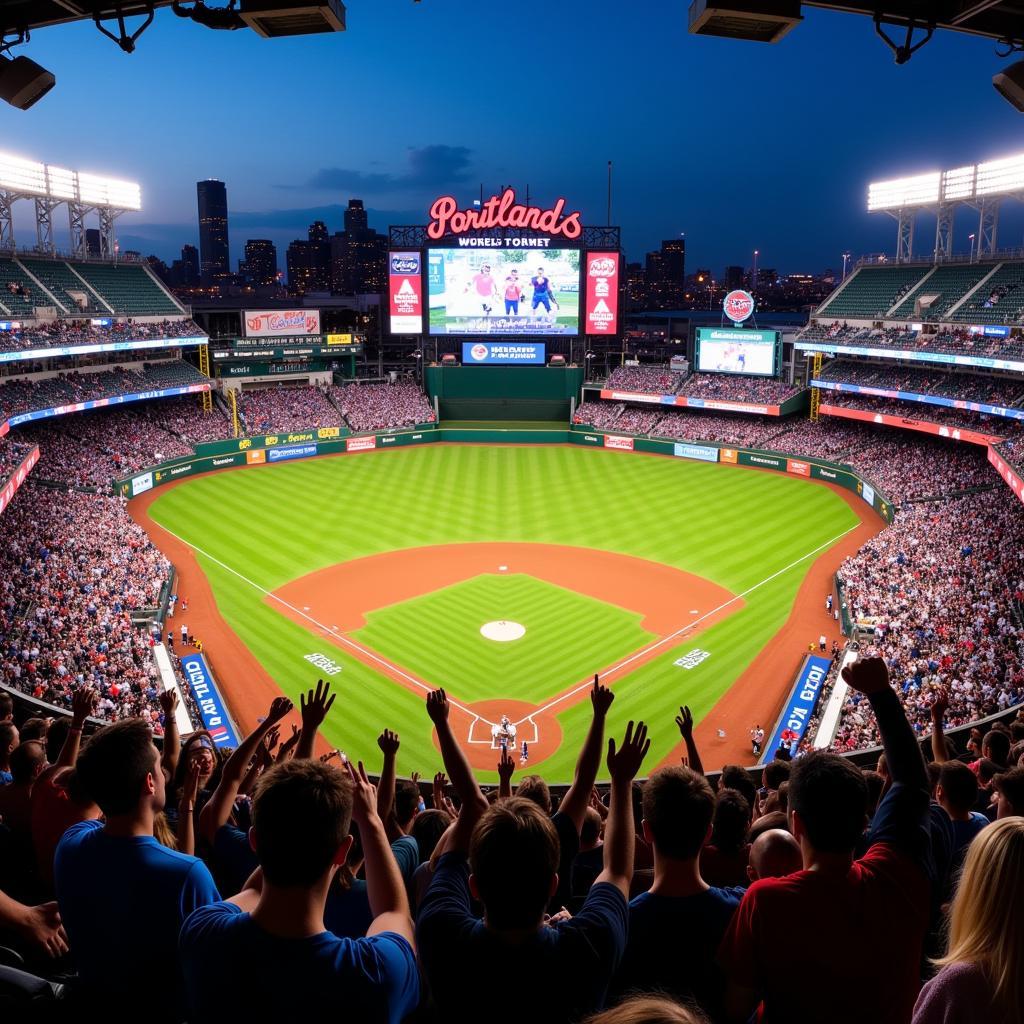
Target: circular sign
478 352
738 305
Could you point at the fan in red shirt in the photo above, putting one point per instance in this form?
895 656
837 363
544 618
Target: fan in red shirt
864 920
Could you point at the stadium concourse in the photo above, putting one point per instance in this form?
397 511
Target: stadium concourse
599 894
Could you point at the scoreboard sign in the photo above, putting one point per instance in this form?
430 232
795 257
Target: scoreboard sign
602 309
405 292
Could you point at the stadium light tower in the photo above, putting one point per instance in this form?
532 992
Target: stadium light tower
753 275
846 260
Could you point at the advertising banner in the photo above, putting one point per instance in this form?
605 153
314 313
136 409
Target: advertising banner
904 422
747 407
255 456
360 444
102 403
798 467
624 444
602 309
900 353
868 494
17 478
142 482
1005 470
297 451
695 451
113 346
505 353
634 396
405 292
339 339
796 713
211 705
277 323
729 455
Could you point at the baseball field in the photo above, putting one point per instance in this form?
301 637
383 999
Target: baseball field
508 575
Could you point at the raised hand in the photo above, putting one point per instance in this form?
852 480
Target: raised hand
684 720
364 794
624 763
940 705
271 740
867 676
440 781
388 742
315 704
329 756
169 702
285 750
437 706
506 766
82 703
601 698
279 707
415 777
190 788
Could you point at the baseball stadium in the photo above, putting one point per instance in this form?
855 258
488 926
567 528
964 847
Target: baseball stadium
335 601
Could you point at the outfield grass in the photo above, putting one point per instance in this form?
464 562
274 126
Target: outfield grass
567 635
273 524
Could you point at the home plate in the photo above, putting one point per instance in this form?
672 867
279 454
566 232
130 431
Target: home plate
502 630
502 568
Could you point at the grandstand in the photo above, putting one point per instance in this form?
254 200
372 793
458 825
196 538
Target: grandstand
872 292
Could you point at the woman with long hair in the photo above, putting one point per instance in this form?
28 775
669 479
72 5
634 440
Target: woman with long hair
982 974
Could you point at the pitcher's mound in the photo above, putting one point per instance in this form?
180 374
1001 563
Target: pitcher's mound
502 630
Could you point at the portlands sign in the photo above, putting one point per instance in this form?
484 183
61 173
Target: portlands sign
501 212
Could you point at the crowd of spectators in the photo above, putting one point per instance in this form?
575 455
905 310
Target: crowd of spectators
996 426
970 387
383 406
943 586
654 380
281 883
736 388
12 455
21 395
73 567
60 333
105 444
288 408
951 340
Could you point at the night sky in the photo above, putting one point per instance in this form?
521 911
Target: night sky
738 145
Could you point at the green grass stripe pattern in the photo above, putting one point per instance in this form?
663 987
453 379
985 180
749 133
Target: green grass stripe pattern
736 527
567 636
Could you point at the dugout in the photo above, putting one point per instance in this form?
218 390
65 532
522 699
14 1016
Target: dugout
504 392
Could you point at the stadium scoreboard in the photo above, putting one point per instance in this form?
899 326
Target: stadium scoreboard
738 350
507 270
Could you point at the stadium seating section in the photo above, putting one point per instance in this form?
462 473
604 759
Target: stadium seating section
949 284
872 291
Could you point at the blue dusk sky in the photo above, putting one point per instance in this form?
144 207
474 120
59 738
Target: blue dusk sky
738 145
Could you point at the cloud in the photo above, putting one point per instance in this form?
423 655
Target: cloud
429 167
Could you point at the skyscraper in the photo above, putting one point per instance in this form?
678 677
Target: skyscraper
355 217
261 261
190 265
320 257
215 263
299 260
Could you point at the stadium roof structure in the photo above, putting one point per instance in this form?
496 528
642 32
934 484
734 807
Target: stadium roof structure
50 187
981 187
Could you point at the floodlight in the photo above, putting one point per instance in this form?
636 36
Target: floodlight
919 190
764 21
1001 176
1010 85
20 175
23 81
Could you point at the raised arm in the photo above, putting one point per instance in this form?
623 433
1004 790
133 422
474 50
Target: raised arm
901 819
186 812
384 886
619 832
172 741
218 807
684 720
463 781
314 706
574 804
389 743
83 700
940 749
506 766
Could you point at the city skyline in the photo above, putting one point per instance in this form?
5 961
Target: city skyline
737 145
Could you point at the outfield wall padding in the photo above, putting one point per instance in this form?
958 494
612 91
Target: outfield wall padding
504 392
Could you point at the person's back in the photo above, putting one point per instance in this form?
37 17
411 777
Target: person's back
957 793
123 896
302 811
675 928
868 917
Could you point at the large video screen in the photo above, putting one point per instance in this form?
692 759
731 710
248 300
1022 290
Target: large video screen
504 291
721 350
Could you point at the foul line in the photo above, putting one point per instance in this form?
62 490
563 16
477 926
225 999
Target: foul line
683 629
329 630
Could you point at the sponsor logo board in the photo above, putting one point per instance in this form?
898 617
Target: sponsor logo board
704 453
276 323
602 292
624 444
360 444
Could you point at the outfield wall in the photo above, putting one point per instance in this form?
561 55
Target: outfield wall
271 448
504 392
